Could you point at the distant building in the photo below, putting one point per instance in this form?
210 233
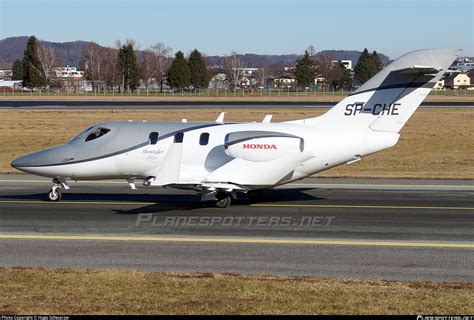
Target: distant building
69 79
68 72
6 75
439 84
320 82
219 81
463 64
247 72
284 81
10 85
457 81
346 63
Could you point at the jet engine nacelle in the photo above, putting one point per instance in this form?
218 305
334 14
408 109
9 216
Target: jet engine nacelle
261 146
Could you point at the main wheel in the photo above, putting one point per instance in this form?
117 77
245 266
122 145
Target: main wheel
54 195
223 201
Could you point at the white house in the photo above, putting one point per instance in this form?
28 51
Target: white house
68 72
439 85
346 63
6 74
284 81
457 81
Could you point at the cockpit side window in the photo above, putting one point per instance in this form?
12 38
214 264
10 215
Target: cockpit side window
97 133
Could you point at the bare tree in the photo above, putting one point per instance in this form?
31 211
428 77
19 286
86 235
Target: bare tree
148 67
163 60
110 59
234 64
324 66
311 51
261 77
93 60
48 59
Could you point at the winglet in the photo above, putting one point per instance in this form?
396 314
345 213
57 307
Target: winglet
267 119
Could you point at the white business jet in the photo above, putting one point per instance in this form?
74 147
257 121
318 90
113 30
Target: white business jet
220 159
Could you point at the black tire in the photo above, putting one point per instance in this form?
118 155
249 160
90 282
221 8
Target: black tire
223 201
54 195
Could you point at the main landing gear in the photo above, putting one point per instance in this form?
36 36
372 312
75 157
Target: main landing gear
55 194
224 200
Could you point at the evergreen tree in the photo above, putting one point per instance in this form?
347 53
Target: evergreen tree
367 66
305 70
127 67
32 76
376 60
17 70
198 70
363 67
179 75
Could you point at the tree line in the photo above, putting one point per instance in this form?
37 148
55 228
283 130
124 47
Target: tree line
118 67
335 74
122 68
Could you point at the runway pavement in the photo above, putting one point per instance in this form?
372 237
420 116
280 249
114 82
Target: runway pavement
356 228
108 105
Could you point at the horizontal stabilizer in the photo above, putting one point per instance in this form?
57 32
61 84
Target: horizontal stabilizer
418 69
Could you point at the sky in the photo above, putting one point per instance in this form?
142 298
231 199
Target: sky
248 26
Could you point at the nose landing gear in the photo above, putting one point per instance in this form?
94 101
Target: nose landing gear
55 194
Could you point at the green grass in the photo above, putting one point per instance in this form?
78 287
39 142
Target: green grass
69 291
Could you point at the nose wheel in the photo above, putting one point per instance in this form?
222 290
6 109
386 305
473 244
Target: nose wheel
54 194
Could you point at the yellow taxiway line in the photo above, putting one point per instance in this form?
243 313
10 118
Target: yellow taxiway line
357 206
240 240
125 203
280 205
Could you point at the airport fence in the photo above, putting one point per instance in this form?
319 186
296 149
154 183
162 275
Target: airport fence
216 93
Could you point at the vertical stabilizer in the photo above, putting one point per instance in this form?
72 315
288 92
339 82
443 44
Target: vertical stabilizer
387 100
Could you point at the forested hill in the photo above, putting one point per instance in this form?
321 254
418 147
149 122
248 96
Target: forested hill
272 61
70 54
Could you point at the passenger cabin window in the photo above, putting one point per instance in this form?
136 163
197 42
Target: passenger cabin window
204 139
97 133
178 137
153 137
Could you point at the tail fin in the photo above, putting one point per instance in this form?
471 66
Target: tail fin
388 100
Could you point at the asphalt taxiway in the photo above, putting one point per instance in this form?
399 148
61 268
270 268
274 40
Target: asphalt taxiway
357 228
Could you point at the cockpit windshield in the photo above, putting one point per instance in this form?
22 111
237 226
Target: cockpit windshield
81 135
97 133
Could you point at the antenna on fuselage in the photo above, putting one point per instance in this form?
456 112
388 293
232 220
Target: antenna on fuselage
267 119
220 118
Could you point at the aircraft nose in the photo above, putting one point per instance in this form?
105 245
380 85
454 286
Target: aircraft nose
21 162
41 158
